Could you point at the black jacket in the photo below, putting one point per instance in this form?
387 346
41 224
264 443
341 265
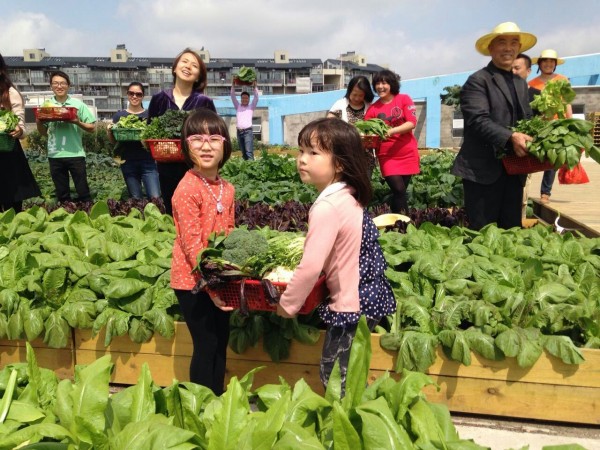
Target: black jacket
488 112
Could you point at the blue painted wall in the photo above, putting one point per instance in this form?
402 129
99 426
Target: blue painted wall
582 71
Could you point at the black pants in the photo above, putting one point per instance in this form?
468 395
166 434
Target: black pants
499 202
60 169
169 176
209 328
337 345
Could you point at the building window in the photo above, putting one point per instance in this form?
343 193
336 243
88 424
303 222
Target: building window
457 124
282 57
202 56
119 56
32 56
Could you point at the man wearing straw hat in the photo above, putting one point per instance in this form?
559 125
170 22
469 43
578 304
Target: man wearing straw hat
492 100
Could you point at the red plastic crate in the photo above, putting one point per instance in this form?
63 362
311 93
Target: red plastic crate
55 113
165 150
238 82
371 141
257 301
516 165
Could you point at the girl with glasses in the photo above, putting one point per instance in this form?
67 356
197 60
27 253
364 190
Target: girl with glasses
203 203
138 167
189 80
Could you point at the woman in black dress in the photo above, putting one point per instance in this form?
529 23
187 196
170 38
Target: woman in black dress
16 180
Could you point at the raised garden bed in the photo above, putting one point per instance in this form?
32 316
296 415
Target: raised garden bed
550 390
61 360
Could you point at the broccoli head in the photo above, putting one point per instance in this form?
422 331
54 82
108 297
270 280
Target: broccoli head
242 244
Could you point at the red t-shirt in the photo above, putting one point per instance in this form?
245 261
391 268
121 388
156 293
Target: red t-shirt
195 216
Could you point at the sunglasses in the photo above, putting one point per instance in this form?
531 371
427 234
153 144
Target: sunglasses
135 94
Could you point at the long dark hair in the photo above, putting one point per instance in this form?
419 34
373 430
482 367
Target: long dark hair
5 85
204 121
343 141
363 84
201 82
390 78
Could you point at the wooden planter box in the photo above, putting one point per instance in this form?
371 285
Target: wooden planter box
168 359
550 390
61 360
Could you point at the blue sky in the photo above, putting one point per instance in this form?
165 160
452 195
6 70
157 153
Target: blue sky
414 38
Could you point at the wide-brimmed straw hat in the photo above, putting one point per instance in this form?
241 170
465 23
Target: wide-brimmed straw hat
528 40
548 54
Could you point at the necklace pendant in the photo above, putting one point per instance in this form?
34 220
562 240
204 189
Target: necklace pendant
219 207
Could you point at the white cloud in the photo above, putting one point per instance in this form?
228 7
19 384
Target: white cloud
426 38
35 30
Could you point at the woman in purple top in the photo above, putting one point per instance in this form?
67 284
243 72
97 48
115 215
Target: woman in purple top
189 78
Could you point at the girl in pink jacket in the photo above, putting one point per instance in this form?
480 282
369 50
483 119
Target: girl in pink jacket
341 241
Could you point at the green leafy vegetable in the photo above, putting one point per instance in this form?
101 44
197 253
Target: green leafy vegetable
167 126
553 99
8 121
131 121
372 127
246 74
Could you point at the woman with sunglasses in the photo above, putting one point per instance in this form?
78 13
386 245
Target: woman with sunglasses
138 167
189 79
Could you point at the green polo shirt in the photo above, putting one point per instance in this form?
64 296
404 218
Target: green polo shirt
65 138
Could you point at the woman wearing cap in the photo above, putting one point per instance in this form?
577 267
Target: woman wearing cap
492 101
547 63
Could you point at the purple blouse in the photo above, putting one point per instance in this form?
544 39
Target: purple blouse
162 101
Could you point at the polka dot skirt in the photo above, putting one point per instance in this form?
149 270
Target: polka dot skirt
376 296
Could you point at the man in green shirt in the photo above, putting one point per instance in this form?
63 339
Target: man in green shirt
66 154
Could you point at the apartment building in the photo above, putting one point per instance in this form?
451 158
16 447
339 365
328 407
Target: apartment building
102 81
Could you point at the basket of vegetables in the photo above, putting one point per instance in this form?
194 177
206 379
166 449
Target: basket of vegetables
250 269
556 141
163 136
245 77
128 128
372 132
8 122
49 112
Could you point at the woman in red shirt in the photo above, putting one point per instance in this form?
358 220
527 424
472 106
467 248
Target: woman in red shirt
398 155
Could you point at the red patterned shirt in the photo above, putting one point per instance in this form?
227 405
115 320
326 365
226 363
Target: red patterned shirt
195 215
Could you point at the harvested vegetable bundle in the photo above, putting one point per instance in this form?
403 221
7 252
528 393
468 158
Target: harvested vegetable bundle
167 126
8 121
373 126
553 99
130 121
560 141
246 74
